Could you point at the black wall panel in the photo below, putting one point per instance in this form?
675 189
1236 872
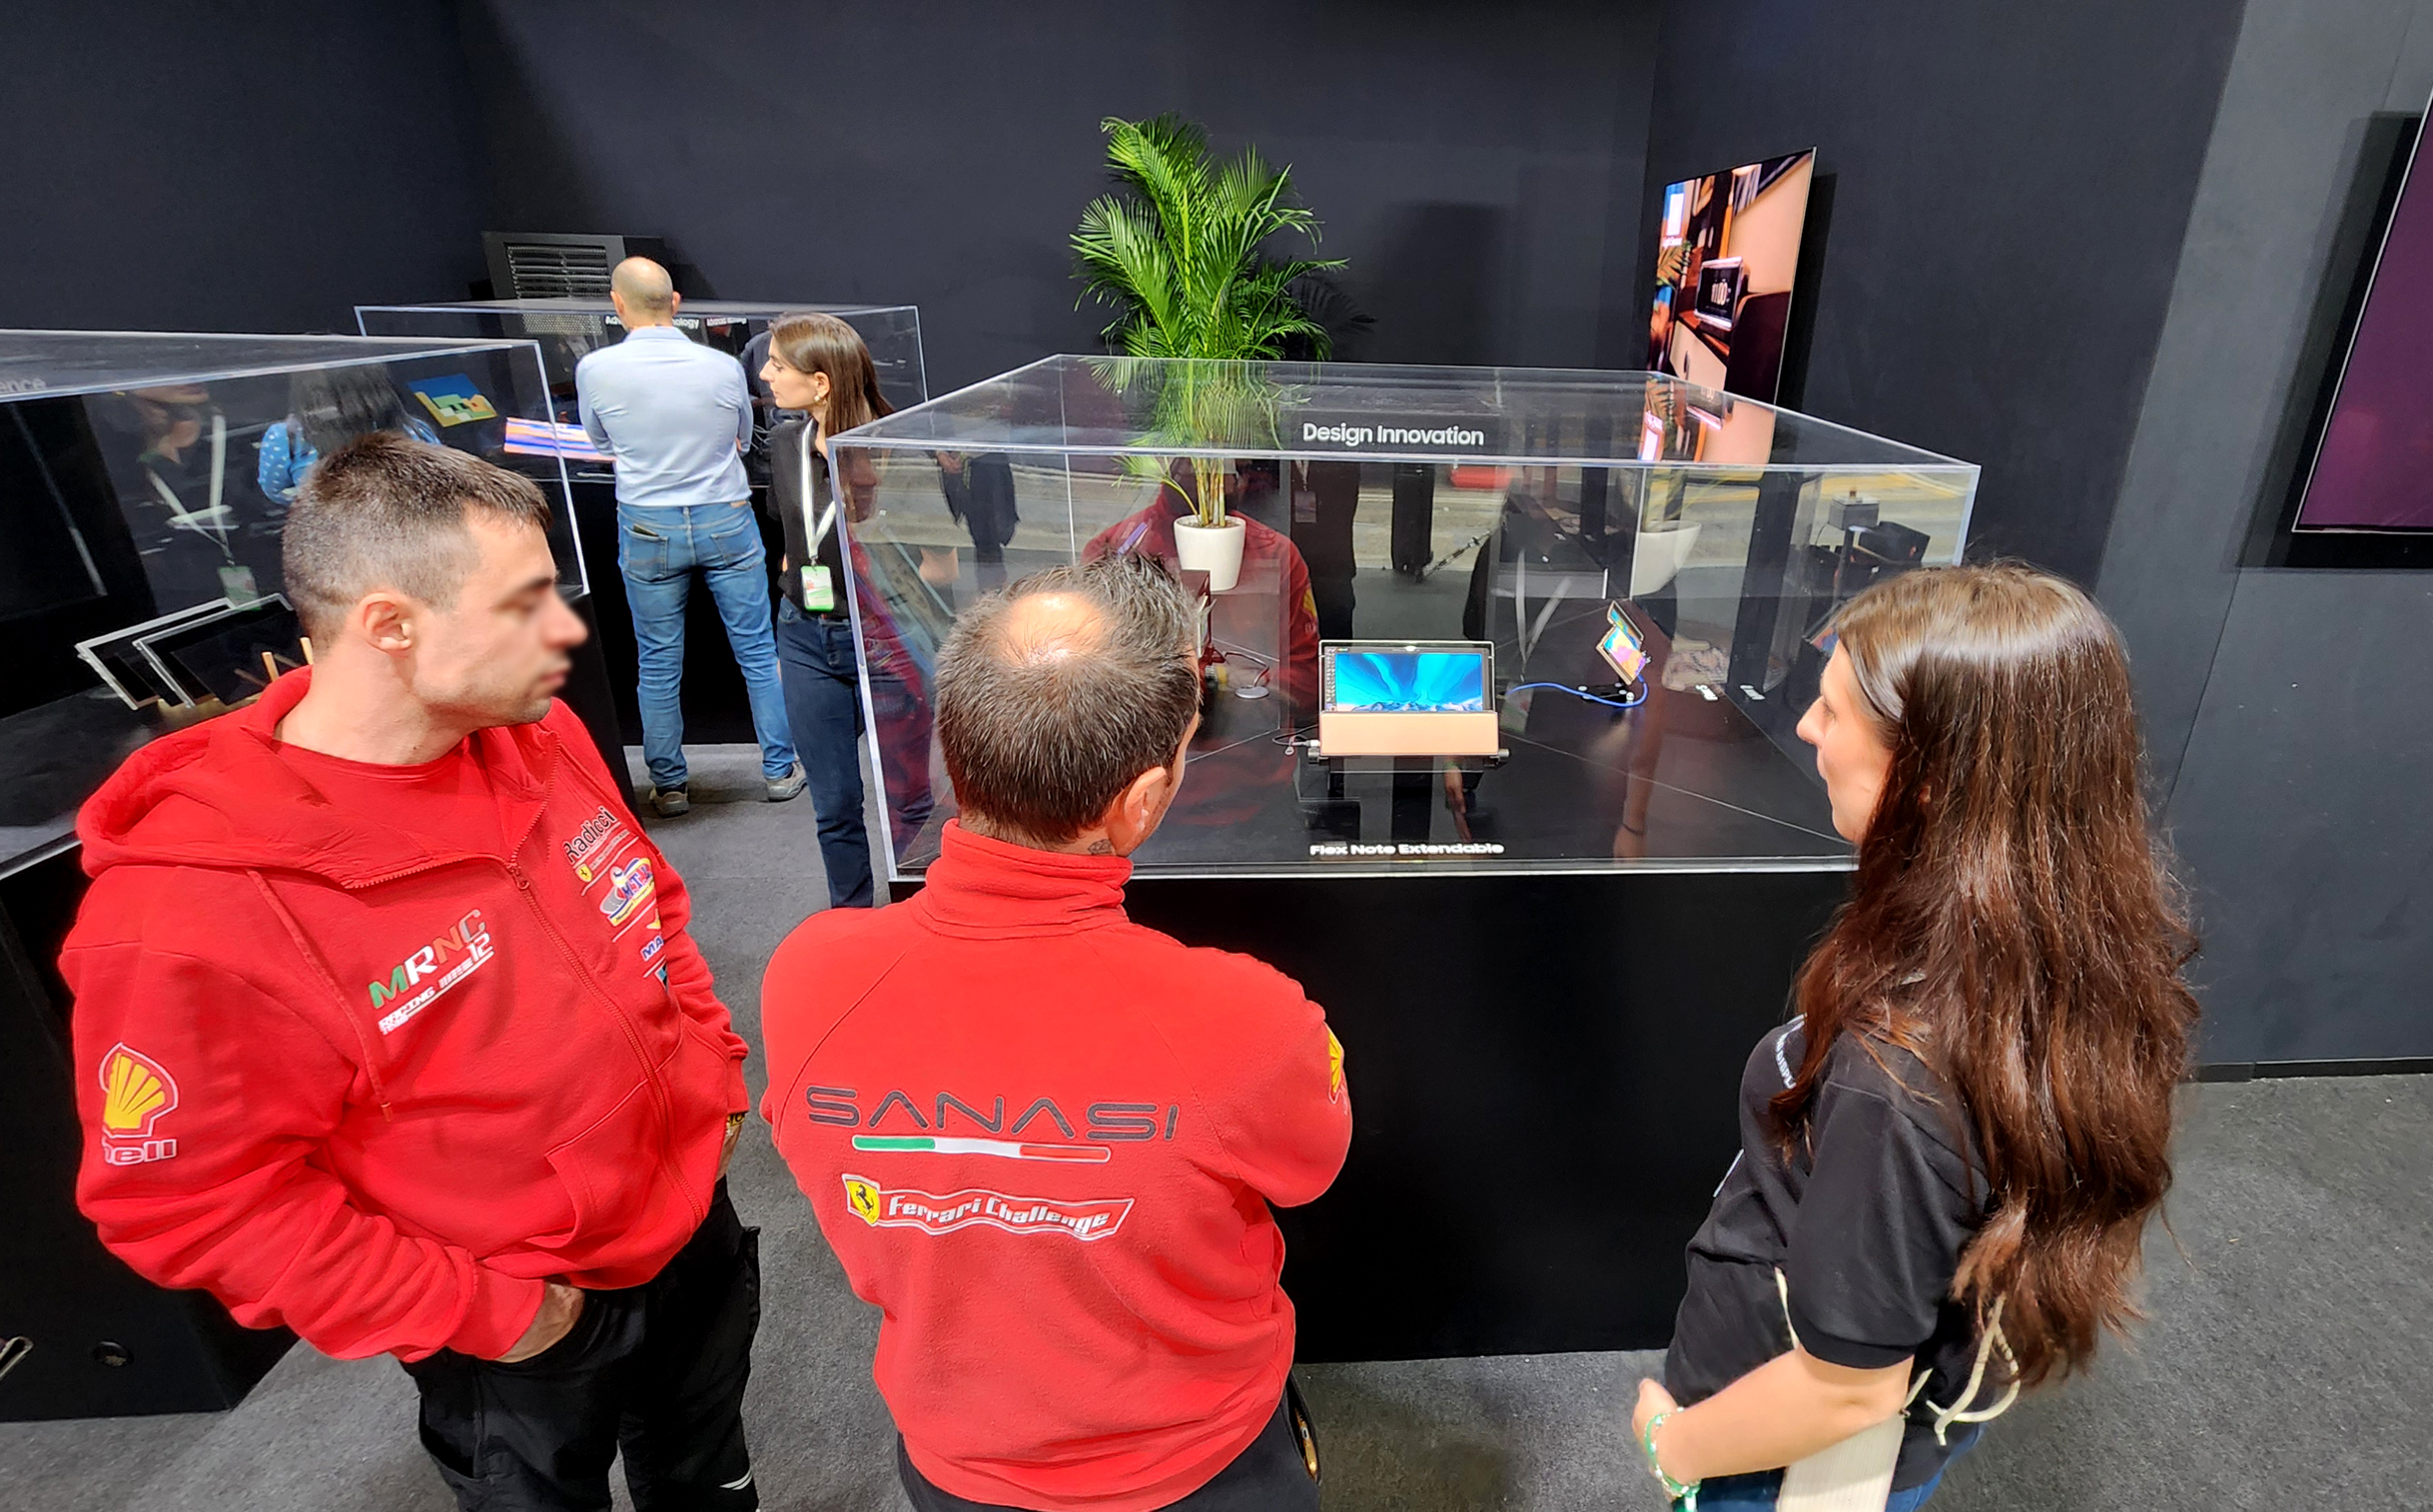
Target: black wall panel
2010 184
2289 711
234 167
1479 168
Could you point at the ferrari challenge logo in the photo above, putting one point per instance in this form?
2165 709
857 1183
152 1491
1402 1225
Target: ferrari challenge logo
1334 1067
137 1092
932 1213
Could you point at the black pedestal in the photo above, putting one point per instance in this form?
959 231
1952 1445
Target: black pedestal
101 1340
1544 1074
717 710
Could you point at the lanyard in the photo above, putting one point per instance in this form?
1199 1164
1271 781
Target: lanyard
210 519
827 520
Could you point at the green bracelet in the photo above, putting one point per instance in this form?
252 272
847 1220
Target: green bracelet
1685 1496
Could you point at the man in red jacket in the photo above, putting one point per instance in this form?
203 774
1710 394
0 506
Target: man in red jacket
388 1026
1041 1138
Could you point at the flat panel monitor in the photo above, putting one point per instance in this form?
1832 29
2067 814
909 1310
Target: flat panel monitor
1727 257
1406 698
2373 470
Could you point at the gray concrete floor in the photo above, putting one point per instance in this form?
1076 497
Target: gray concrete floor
2288 1360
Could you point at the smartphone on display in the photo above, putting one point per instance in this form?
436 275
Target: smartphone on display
1623 647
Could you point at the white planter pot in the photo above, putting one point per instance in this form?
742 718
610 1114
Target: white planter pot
1216 550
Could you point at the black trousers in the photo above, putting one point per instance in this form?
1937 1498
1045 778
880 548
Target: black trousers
657 1370
1272 1475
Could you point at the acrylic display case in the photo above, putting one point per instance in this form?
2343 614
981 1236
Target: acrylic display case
144 483
1522 514
717 706
568 329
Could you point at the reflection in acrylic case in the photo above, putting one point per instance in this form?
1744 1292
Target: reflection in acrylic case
230 655
124 668
155 472
1496 513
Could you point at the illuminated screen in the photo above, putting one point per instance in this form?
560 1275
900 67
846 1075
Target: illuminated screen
1409 682
2377 449
1622 647
1727 256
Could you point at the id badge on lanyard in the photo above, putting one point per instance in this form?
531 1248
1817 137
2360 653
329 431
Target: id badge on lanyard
819 584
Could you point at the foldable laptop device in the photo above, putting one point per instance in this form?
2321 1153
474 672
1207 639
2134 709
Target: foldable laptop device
1407 698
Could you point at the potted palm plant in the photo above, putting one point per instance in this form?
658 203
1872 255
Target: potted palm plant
1177 250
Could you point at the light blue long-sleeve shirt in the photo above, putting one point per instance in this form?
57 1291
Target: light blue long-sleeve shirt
672 413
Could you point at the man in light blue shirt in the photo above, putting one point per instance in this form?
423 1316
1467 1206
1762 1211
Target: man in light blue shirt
675 416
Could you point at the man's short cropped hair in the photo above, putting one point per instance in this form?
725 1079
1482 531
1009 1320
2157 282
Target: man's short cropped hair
387 511
1045 720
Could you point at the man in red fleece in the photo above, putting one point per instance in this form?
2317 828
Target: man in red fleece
1041 1138
388 1026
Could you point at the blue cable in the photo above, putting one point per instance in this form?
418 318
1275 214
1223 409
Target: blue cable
1582 693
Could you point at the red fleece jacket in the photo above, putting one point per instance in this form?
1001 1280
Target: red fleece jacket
379 1086
1042 1141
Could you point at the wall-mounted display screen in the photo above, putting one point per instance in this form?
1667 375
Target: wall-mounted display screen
2373 470
1727 252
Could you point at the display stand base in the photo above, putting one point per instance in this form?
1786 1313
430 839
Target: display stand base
1544 1072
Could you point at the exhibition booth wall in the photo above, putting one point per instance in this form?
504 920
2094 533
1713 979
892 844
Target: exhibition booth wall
2002 219
234 167
1999 201
1479 172
2289 712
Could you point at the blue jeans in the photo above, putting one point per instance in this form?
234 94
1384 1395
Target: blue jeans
1756 1492
824 705
657 552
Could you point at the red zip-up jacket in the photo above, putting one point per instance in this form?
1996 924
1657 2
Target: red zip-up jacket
372 1086
1041 1140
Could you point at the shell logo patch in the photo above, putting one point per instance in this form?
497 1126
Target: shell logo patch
1334 1067
631 889
935 1212
137 1092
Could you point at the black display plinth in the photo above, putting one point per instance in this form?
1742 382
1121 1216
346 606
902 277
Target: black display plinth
101 1341
717 709
1544 1072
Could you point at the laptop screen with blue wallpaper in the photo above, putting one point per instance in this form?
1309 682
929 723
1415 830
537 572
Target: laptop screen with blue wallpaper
1407 682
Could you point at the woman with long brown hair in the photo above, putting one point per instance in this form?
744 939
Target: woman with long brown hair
819 367
1949 1157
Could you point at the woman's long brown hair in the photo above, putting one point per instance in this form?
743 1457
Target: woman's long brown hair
812 341
2014 923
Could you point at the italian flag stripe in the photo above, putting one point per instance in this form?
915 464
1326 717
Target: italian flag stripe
1004 1150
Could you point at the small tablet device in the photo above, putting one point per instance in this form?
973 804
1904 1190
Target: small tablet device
1719 286
126 669
1407 698
1623 647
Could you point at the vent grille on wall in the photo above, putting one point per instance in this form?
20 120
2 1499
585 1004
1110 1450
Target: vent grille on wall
545 265
546 271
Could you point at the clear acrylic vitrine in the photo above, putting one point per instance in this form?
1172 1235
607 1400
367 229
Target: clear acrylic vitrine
1638 575
145 481
566 329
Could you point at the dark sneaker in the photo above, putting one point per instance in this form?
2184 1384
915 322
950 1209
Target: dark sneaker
788 786
669 802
